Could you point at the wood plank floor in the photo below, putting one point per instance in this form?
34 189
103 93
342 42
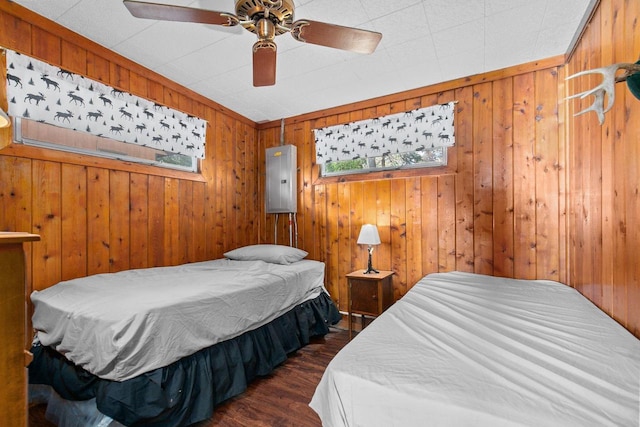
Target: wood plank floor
281 399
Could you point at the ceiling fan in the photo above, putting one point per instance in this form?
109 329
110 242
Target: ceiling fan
267 19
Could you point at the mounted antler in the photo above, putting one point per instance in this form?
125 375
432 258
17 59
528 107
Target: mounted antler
604 88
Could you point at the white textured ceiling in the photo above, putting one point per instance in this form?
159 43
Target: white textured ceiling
424 42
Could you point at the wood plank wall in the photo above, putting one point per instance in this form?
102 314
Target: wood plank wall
497 208
530 191
604 173
102 216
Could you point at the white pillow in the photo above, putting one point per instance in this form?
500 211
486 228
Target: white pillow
275 254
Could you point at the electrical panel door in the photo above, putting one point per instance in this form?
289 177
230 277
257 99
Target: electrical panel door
281 182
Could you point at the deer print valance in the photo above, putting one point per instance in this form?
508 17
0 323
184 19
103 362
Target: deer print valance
42 92
414 130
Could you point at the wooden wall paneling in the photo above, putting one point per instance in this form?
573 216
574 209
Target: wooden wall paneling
97 67
548 165
503 232
221 225
139 217
575 86
592 178
483 191
447 223
429 226
617 118
239 186
74 58
119 221
382 254
228 140
265 140
171 221
198 247
45 46
319 237
563 178
15 194
356 207
15 33
464 180
73 221
344 241
398 235
98 236
15 205
413 232
606 17
333 235
524 177
155 91
156 221
632 105
119 78
185 221
46 217
252 191
306 168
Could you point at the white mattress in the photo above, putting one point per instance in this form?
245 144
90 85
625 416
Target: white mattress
120 325
461 349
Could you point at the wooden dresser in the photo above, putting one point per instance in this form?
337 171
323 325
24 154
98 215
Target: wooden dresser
14 354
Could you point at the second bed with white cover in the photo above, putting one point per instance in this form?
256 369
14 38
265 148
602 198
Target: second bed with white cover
466 349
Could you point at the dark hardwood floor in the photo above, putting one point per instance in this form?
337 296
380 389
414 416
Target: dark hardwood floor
281 399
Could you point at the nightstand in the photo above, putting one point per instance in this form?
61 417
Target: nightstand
369 294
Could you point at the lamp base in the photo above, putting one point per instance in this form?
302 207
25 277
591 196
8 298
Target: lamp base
370 269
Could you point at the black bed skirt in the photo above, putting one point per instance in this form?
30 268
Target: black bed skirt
187 391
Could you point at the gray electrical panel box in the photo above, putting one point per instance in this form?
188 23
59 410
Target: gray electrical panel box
281 182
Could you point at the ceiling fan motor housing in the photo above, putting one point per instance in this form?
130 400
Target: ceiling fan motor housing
280 12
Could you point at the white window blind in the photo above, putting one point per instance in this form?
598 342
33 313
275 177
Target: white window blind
410 131
41 92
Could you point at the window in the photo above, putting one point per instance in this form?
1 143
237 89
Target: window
30 132
424 158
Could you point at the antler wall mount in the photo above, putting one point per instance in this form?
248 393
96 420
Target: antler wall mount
606 89
267 19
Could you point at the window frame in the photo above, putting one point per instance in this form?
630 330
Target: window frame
19 138
369 170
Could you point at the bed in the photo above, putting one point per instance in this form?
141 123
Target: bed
163 346
464 349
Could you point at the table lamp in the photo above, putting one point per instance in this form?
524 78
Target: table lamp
369 236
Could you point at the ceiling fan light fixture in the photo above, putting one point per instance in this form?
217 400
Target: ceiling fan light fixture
266 30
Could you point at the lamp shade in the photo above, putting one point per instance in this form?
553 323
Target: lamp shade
5 122
369 235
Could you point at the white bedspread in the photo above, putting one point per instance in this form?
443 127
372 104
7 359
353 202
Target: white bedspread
120 325
468 350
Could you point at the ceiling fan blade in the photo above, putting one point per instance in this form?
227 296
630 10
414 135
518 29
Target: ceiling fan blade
166 12
264 63
335 36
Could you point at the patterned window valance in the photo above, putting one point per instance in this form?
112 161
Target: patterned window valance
44 93
396 133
